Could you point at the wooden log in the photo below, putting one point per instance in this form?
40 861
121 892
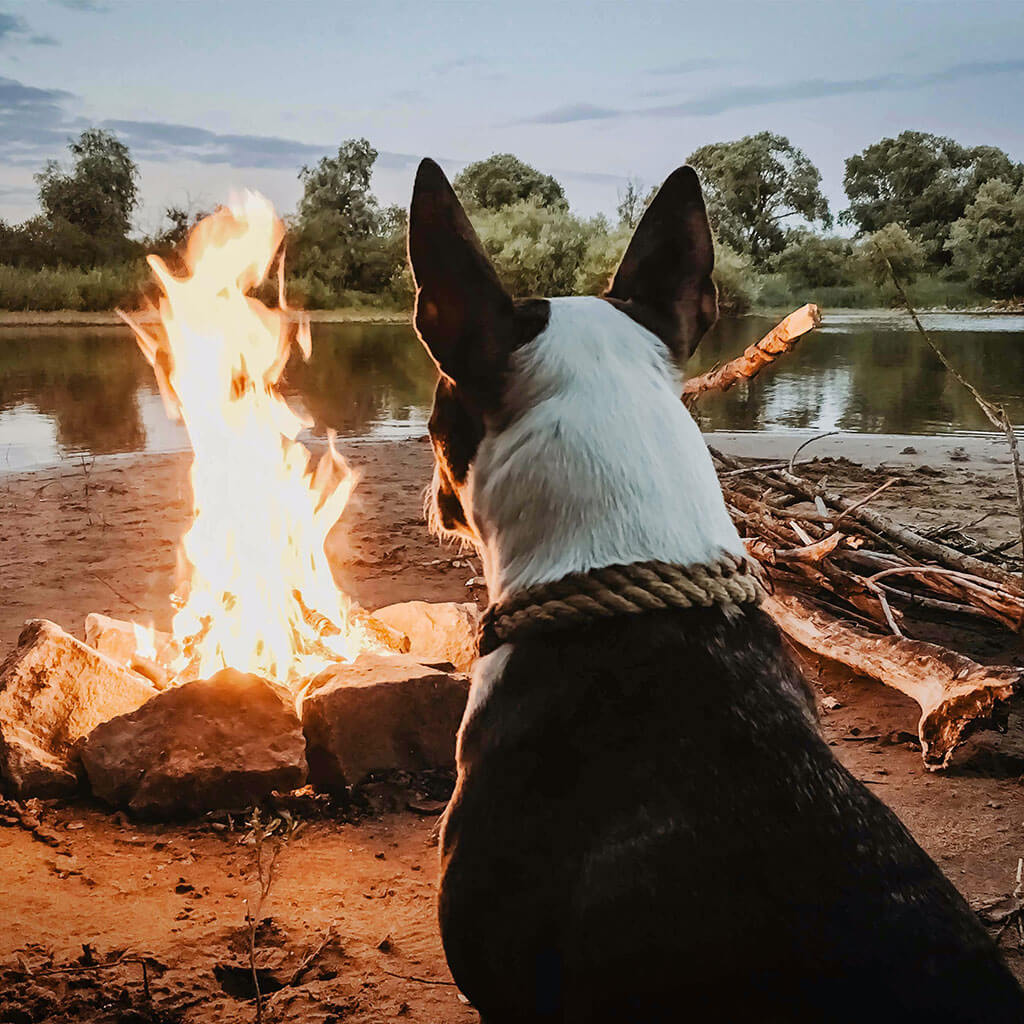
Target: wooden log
955 694
779 340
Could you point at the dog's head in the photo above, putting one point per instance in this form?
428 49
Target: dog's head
555 420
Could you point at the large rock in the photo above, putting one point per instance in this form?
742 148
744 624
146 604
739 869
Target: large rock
218 743
54 690
380 713
436 632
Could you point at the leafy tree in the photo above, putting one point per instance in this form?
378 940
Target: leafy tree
502 180
341 238
894 245
814 261
753 185
922 181
340 185
988 241
633 200
99 194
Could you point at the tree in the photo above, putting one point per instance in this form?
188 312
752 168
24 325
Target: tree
922 181
753 185
341 185
99 194
341 238
988 241
633 200
504 179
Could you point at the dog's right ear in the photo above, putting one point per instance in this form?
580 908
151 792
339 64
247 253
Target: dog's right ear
464 316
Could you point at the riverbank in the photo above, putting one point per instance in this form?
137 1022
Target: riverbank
109 318
373 315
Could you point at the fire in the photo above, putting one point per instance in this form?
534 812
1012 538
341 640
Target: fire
255 590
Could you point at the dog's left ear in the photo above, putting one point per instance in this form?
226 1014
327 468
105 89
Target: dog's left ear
464 316
664 279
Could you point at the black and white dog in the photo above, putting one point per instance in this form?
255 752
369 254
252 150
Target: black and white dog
647 825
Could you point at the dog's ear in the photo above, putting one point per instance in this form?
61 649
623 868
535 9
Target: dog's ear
664 279
463 316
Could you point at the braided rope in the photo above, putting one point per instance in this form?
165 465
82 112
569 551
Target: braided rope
584 597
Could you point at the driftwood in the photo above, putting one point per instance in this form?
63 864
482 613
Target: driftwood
779 340
955 694
836 561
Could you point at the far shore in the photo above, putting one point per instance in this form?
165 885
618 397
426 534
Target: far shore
109 318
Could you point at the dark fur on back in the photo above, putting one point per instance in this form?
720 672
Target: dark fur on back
648 828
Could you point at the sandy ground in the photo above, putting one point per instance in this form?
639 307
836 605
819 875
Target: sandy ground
354 890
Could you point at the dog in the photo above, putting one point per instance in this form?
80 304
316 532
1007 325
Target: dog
647 825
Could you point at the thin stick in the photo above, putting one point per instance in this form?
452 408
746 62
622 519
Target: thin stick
124 597
996 414
863 501
421 981
810 440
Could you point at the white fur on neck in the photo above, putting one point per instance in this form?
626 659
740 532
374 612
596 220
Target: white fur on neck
598 462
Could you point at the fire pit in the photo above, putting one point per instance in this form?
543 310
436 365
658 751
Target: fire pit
264 652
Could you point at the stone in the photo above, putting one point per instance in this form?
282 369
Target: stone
220 743
54 690
436 632
380 713
118 640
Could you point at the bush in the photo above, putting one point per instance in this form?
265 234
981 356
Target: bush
815 261
536 250
736 280
987 243
891 245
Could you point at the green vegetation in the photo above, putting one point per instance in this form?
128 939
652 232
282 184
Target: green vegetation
950 220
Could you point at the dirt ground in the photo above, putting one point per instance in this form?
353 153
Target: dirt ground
348 931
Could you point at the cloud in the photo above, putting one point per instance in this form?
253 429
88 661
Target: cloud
34 122
576 112
14 28
738 97
91 6
685 67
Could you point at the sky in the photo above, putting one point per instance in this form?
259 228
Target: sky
216 95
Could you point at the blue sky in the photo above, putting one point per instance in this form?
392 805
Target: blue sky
219 95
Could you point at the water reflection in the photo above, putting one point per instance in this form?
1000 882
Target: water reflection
87 390
872 375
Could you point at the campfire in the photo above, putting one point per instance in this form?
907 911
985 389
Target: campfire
270 675
255 593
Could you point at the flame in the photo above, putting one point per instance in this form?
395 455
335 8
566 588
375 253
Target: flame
256 592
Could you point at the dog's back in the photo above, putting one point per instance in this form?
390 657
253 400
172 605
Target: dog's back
648 827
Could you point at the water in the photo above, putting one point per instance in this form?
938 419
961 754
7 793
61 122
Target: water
71 392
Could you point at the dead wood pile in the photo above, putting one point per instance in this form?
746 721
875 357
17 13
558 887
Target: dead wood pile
845 577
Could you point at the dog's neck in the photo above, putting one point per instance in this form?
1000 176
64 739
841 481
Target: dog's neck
597 462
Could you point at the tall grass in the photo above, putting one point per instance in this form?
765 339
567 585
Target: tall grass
69 288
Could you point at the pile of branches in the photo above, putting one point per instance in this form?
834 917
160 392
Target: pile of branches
844 576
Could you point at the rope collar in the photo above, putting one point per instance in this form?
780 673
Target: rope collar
585 597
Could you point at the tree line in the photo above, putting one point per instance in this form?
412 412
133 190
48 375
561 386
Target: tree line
949 218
